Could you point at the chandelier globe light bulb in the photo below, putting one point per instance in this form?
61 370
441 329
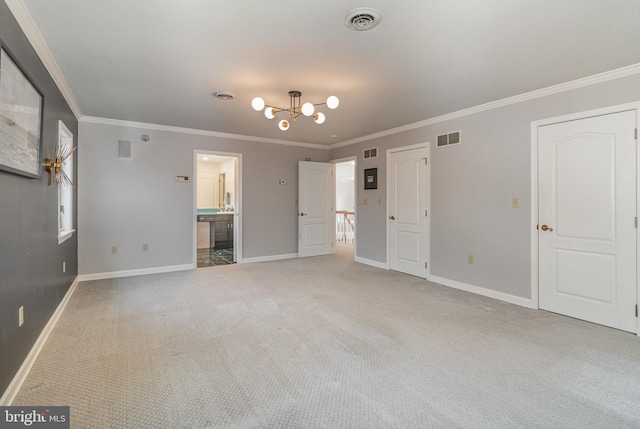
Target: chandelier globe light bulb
284 125
270 112
308 109
257 104
333 102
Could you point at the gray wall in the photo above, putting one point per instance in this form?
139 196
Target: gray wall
30 257
472 185
130 202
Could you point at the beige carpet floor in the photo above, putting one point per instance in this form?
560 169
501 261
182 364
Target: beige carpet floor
325 342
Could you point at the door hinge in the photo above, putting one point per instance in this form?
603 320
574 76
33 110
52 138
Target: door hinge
425 265
635 134
635 222
426 161
636 310
426 213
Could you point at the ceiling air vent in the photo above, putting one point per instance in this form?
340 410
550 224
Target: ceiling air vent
362 19
224 95
449 139
371 153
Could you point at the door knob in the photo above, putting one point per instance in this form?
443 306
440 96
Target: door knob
546 228
392 217
302 214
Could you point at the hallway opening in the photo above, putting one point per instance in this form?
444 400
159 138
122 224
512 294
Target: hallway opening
345 202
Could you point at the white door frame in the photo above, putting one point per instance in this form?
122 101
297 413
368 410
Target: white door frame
534 190
237 207
355 197
426 145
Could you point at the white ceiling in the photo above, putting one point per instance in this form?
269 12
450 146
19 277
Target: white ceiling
159 61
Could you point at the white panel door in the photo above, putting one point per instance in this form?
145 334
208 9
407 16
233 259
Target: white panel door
315 204
587 236
408 235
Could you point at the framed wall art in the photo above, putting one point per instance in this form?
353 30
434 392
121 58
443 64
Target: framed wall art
370 178
21 106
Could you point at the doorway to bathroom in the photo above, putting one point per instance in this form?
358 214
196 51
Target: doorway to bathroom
217 231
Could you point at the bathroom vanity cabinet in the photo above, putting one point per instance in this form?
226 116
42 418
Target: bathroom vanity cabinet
215 231
222 231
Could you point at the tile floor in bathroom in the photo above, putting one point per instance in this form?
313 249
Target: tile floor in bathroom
211 257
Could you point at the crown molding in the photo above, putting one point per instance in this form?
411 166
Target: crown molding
193 131
538 93
25 21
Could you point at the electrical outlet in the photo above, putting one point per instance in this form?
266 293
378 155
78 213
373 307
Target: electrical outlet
365 202
21 316
379 201
469 259
515 203
145 247
64 267
114 250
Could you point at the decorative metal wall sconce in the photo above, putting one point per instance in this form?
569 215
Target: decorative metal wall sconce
53 165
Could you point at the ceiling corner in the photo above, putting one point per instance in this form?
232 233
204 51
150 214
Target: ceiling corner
24 19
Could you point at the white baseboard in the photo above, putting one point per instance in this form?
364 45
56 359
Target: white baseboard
269 258
376 264
130 273
15 385
517 300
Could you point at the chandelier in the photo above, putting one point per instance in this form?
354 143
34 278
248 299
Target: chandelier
296 108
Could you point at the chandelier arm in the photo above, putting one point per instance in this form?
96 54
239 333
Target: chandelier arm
278 109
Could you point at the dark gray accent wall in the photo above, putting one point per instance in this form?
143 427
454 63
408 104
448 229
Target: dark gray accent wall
30 256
